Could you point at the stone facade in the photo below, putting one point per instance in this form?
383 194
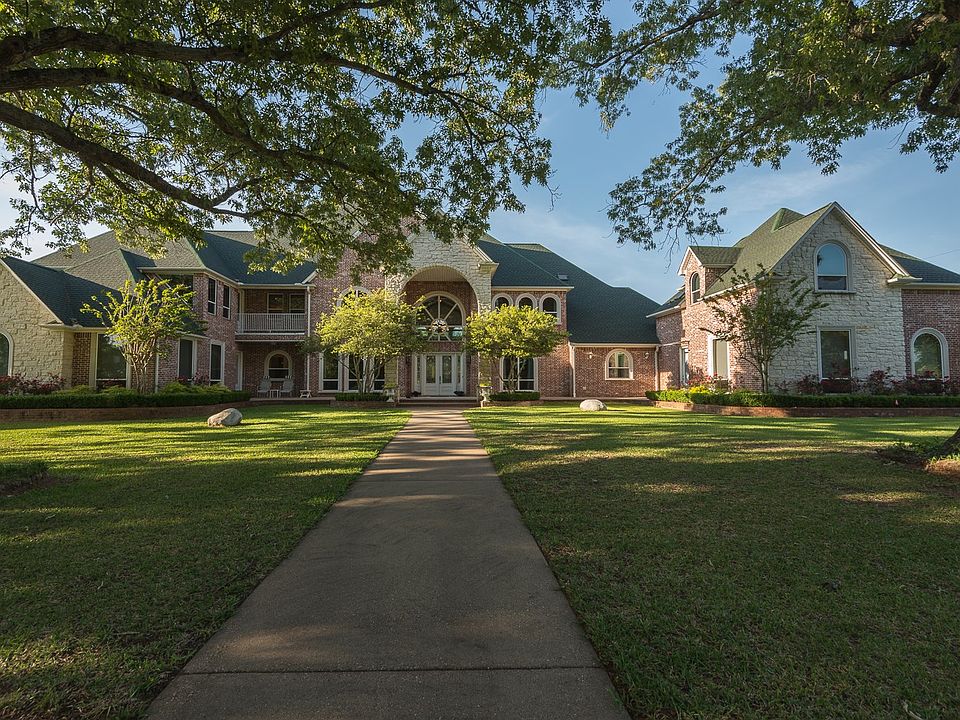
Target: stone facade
35 349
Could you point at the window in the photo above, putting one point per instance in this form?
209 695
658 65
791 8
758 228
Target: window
211 296
619 365
695 288
354 291
929 352
111 365
831 267
379 379
835 354
551 306
684 365
226 301
297 302
216 363
444 318
278 366
721 358
6 355
330 372
185 359
276 303
523 369
526 302
501 301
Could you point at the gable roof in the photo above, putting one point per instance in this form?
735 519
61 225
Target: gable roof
925 272
715 255
62 293
516 270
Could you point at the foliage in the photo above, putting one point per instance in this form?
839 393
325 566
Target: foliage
120 398
368 329
800 74
517 396
512 332
360 397
143 320
764 315
308 121
163 530
747 398
19 384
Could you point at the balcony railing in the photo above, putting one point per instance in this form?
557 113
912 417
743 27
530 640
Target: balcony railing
273 323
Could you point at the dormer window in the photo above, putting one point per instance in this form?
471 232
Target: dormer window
832 267
695 288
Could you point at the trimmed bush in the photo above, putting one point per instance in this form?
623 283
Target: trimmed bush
118 399
518 396
360 397
747 398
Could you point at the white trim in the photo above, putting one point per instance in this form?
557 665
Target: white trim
266 365
528 288
193 358
536 375
700 288
847 257
95 357
528 296
216 306
944 351
340 373
606 364
238 384
9 369
223 360
851 348
573 365
931 286
493 302
556 299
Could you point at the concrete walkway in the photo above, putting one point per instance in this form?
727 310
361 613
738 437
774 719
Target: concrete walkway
419 595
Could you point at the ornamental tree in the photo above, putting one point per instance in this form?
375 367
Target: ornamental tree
329 125
763 315
368 330
805 74
143 319
514 333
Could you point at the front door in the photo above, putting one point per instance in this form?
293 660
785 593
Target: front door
441 373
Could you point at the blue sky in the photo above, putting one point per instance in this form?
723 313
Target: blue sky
900 200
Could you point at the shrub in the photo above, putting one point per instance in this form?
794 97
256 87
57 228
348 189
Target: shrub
76 390
517 396
118 390
119 399
878 383
747 398
18 384
175 387
360 397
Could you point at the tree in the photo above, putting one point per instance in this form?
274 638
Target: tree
331 125
806 73
763 315
513 333
143 320
369 330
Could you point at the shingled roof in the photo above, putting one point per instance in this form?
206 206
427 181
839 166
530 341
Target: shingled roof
63 294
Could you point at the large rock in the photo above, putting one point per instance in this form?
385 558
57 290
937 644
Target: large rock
592 405
225 418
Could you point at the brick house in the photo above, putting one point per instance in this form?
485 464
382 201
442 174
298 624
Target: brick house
886 310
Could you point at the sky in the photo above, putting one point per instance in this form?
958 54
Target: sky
900 200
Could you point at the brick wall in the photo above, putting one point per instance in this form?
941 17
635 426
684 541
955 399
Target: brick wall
591 372
670 333
255 369
80 370
936 309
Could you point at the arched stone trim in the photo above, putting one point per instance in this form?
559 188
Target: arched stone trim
498 297
556 299
944 350
617 376
527 296
847 266
8 368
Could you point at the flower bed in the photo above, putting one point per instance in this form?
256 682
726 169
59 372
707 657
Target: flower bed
746 398
121 399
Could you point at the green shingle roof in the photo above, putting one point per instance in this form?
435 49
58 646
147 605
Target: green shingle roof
64 294
925 271
674 301
514 269
715 255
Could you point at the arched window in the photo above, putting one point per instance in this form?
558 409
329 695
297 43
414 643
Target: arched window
832 267
619 365
501 301
354 291
278 366
929 352
551 306
526 301
444 318
6 355
695 288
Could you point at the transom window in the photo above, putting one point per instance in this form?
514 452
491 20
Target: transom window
6 355
278 366
929 356
354 291
619 365
695 291
835 356
832 267
443 318
551 306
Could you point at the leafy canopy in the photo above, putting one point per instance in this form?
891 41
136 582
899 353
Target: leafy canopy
332 125
764 315
142 319
808 73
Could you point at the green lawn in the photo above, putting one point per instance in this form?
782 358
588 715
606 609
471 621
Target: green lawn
110 582
746 568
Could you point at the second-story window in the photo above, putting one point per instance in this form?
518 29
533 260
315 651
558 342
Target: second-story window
226 301
276 303
211 296
695 288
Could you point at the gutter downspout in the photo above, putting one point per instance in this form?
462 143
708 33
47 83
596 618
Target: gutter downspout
573 366
656 369
307 334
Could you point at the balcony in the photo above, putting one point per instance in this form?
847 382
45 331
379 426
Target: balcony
272 324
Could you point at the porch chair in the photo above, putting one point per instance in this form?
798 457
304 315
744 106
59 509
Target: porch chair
264 389
287 388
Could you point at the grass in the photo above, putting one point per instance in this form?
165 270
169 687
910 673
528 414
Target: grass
732 567
110 582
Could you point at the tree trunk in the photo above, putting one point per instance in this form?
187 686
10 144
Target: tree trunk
952 445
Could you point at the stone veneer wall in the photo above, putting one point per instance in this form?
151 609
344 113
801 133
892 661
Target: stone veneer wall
937 309
36 350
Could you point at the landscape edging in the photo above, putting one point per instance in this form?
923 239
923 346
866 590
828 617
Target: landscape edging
142 412
826 412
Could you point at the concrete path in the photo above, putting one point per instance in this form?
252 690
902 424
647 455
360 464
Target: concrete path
419 595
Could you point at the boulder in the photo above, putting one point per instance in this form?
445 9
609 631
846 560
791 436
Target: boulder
592 405
225 418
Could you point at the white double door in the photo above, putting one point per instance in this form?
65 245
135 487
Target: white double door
440 373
